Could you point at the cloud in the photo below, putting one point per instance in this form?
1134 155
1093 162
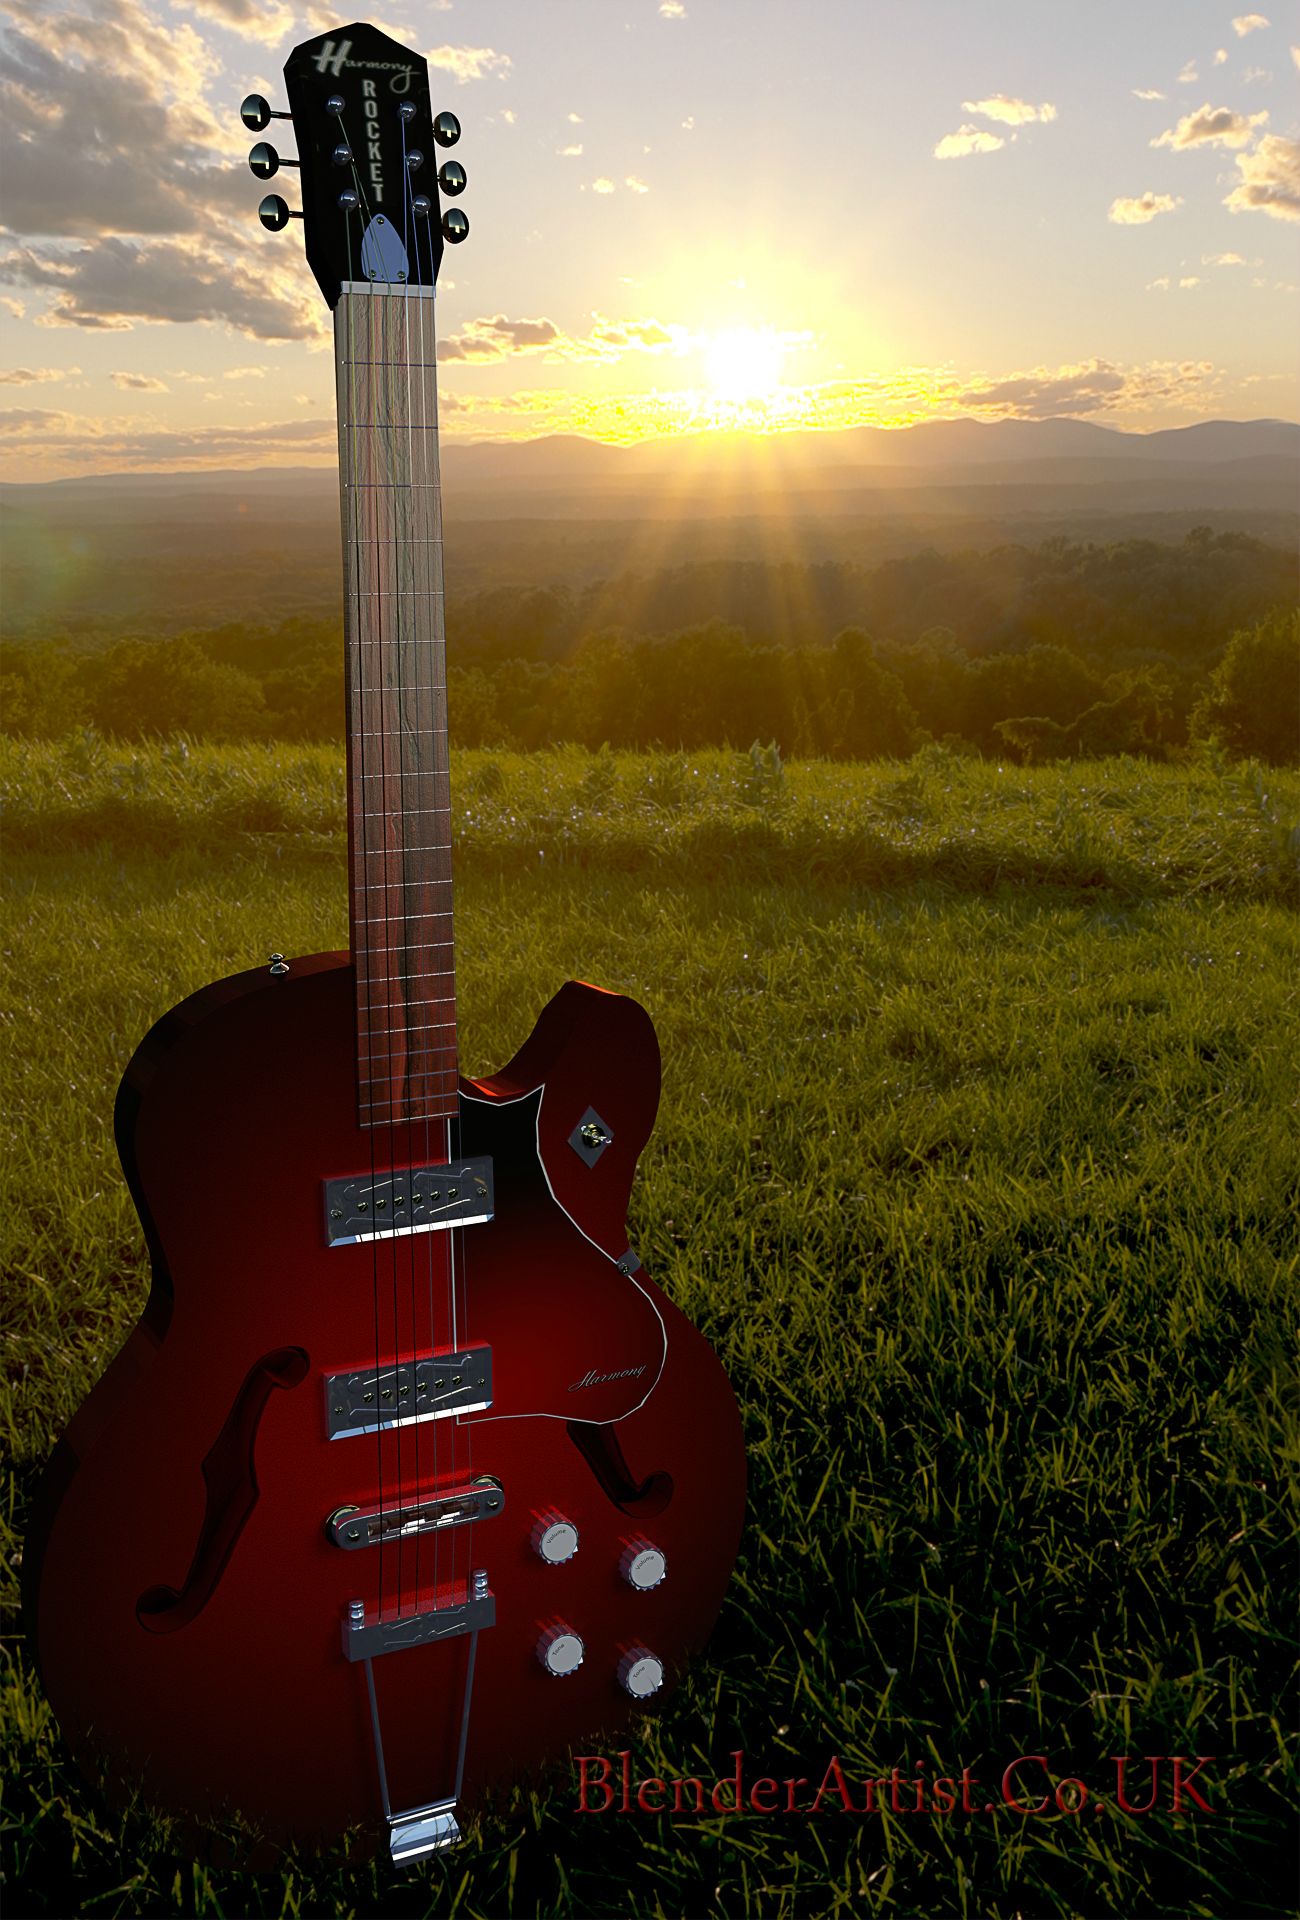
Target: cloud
637 186
1222 260
1248 23
1147 93
92 443
1162 284
1015 113
469 63
1221 57
1295 55
1270 179
139 383
569 153
955 146
672 9
602 185
1093 386
1192 280
118 281
250 19
509 116
33 376
1136 213
1189 76
1211 127
608 341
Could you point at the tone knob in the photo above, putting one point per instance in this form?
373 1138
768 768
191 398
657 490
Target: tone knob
643 1566
640 1673
560 1650
555 1539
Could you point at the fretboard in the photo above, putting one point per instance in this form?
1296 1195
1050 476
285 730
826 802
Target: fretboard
399 799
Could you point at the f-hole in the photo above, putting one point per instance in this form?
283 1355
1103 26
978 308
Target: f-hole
603 1453
231 1479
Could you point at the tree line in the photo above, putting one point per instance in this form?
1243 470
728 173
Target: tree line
1057 650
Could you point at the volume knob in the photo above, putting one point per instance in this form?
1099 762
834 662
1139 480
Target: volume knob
643 1566
555 1539
560 1650
640 1673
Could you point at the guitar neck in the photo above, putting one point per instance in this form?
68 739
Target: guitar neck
399 797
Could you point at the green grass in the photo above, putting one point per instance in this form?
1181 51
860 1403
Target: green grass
977 1162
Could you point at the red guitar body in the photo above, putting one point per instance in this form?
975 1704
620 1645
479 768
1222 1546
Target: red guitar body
187 1605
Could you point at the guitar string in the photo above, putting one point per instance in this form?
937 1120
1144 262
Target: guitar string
413 736
356 664
427 430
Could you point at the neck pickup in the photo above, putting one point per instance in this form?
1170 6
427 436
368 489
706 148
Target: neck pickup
410 1200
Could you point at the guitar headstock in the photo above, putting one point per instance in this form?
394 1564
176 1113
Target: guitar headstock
368 141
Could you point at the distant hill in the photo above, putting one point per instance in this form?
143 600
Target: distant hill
168 550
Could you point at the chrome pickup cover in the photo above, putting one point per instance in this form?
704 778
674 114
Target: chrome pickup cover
382 1206
366 1401
354 1527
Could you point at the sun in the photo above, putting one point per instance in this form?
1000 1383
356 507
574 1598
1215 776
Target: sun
744 366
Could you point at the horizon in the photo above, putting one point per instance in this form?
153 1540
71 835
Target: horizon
677 229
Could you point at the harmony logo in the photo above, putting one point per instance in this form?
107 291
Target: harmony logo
594 1379
333 58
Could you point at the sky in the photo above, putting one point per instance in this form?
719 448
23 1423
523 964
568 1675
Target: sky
685 216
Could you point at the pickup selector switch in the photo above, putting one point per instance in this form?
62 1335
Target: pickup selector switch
555 1539
560 1650
640 1673
642 1565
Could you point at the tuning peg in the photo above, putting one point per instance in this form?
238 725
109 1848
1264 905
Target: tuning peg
264 160
452 177
446 129
455 225
274 214
257 112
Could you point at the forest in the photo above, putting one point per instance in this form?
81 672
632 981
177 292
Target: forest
1066 649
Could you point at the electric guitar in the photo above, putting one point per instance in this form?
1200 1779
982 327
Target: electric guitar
408 1478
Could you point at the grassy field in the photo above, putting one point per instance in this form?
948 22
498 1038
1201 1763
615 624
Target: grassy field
977 1162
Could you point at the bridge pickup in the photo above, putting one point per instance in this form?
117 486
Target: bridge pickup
354 1527
370 1401
367 1639
408 1200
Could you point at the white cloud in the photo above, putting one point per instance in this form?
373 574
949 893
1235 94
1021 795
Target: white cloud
1222 260
1136 213
1091 386
1014 113
139 383
1162 283
672 9
509 116
1148 93
1189 76
689 122
955 146
602 185
637 186
469 63
1211 126
1248 23
569 153
1192 280
1270 179
32 376
250 19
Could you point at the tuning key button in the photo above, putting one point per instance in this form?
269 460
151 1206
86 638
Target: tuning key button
555 1539
642 1565
560 1651
640 1673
